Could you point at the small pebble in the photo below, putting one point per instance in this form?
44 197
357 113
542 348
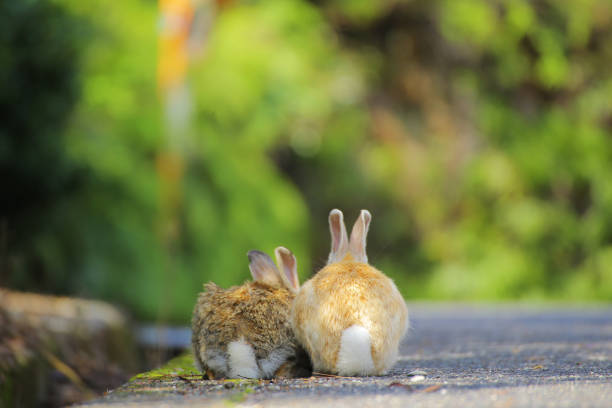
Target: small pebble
417 372
417 378
229 385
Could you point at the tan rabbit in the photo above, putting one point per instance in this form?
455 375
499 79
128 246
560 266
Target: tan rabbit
244 331
350 317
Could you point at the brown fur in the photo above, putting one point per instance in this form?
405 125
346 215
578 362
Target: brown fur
344 294
256 312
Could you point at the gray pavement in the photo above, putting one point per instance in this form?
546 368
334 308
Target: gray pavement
454 356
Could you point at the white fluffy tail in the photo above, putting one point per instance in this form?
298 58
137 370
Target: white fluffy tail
355 355
242 362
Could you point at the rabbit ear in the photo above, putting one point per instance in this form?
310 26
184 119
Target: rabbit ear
358 236
288 268
339 246
263 269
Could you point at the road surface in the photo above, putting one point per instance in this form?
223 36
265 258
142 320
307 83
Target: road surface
454 355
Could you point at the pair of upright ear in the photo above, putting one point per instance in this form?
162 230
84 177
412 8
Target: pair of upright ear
263 269
341 245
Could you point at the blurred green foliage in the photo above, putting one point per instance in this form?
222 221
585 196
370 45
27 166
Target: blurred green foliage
477 132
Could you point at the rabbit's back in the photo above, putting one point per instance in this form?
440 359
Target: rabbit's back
253 314
344 295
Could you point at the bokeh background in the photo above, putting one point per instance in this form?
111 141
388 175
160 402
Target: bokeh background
146 146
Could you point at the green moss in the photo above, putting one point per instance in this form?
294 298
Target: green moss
181 372
182 365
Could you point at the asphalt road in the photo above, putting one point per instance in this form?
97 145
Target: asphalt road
454 356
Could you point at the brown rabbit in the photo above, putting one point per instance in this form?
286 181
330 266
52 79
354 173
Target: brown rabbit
350 317
244 331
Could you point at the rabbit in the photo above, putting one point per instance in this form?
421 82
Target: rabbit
244 331
349 316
